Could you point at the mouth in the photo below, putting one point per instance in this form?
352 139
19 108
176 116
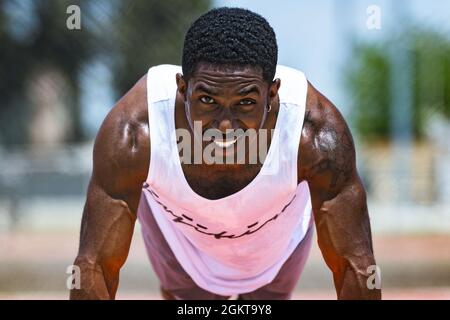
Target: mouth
225 143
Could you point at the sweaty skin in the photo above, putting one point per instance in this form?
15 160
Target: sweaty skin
326 161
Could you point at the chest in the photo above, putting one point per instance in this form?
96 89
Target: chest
216 183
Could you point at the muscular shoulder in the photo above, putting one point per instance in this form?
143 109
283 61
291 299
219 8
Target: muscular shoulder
122 145
326 152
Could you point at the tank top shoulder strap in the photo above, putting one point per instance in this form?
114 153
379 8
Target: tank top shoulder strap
161 92
293 87
161 84
292 93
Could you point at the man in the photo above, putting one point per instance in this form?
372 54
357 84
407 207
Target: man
215 229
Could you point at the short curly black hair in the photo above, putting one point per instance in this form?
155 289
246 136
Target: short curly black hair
231 37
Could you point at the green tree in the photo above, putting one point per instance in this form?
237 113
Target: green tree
150 33
369 84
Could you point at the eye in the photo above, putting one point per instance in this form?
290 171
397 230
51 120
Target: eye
207 100
246 105
246 102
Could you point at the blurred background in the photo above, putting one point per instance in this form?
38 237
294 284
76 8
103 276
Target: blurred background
385 64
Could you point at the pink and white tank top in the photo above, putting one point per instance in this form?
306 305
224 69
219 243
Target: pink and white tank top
235 244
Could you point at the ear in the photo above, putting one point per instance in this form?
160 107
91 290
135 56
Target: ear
273 90
181 85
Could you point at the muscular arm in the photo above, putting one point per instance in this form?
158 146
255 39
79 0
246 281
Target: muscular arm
327 163
121 158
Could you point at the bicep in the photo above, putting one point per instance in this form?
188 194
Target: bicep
337 194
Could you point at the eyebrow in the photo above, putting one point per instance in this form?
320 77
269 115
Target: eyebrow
205 89
248 90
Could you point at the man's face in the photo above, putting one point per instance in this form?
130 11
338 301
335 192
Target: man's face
227 98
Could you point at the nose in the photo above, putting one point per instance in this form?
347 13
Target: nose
225 125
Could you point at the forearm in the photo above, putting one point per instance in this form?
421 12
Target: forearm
345 240
105 238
